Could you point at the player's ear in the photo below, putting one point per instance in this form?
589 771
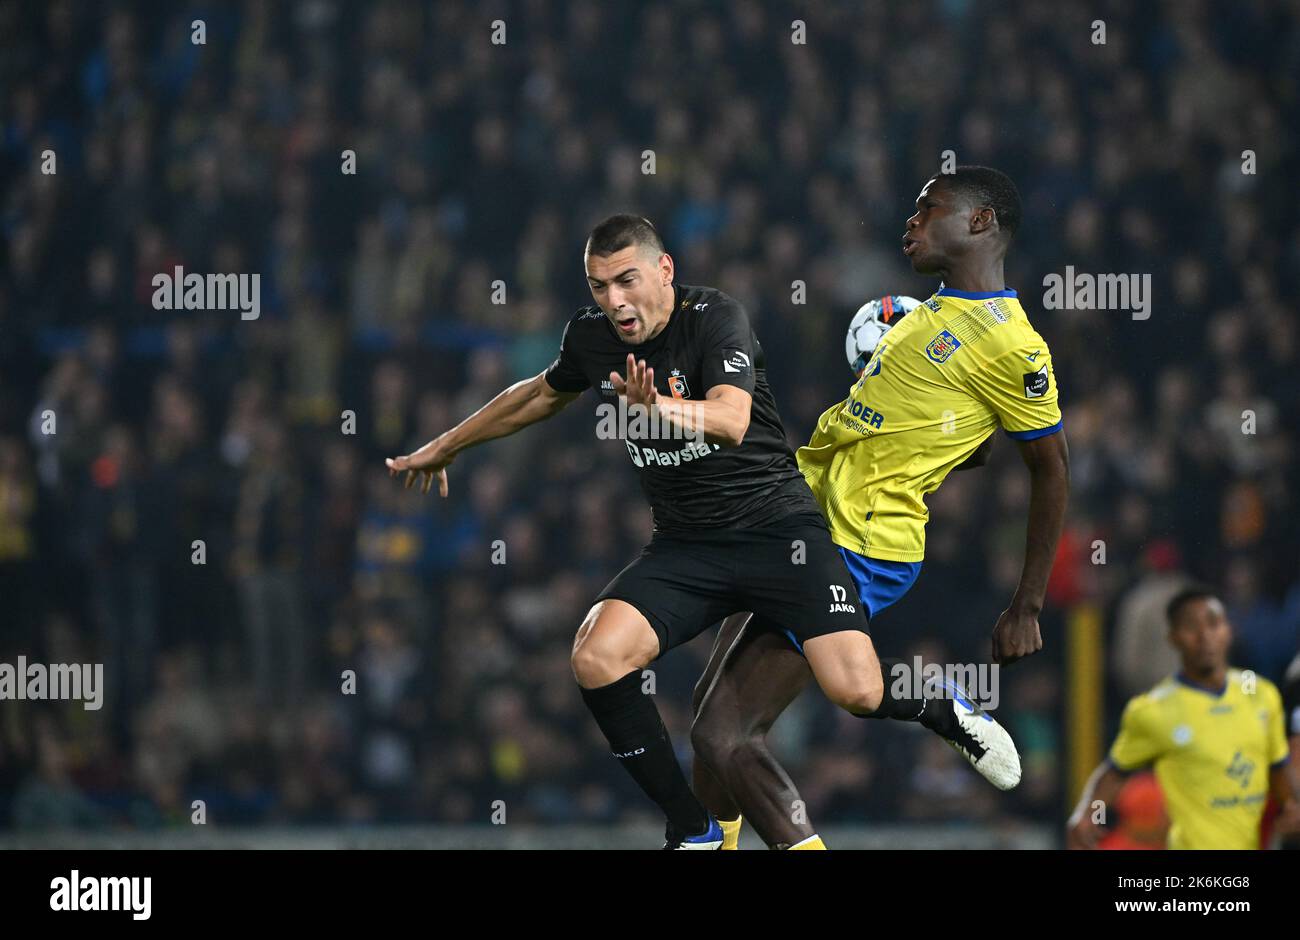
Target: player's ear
666 268
983 219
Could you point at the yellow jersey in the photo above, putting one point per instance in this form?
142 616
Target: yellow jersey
947 376
1212 754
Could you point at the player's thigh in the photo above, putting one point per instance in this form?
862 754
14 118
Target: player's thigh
879 583
729 633
795 577
680 587
812 596
756 678
847 669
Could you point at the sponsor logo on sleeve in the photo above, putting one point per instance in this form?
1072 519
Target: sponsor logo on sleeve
734 360
1036 383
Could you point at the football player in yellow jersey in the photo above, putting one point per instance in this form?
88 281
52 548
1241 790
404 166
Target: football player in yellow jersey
1215 736
957 368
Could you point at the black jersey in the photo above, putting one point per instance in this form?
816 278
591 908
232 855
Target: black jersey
694 485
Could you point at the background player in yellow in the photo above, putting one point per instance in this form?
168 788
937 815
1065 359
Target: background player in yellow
1214 735
938 385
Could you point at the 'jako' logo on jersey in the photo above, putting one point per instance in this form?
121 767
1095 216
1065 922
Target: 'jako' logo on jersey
735 361
838 598
942 346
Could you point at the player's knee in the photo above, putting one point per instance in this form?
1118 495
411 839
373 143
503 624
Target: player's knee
597 662
714 742
861 696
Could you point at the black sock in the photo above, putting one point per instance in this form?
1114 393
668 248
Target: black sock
637 735
932 711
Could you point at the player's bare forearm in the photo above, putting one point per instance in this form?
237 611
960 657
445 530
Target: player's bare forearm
520 405
524 403
1017 633
1103 786
1048 461
720 419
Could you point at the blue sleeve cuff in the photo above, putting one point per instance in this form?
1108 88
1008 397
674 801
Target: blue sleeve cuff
1033 435
1282 763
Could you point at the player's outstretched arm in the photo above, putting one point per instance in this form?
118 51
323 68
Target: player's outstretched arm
1082 831
522 404
1017 634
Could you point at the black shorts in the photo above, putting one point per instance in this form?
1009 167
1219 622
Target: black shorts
790 574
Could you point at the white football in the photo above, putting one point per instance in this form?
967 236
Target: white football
872 321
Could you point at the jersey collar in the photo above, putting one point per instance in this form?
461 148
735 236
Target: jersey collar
973 295
1180 677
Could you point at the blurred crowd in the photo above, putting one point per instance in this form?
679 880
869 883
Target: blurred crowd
200 502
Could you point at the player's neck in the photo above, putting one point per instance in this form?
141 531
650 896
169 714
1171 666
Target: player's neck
671 301
1212 680
977 276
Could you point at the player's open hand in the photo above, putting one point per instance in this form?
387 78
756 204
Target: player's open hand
428 462
1015 636
639 388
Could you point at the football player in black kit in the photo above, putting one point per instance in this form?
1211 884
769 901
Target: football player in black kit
735 525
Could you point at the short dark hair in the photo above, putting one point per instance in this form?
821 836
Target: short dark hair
985 186
619 231
1193 592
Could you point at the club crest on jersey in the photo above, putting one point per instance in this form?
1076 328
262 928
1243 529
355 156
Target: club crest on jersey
942 347
677 384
